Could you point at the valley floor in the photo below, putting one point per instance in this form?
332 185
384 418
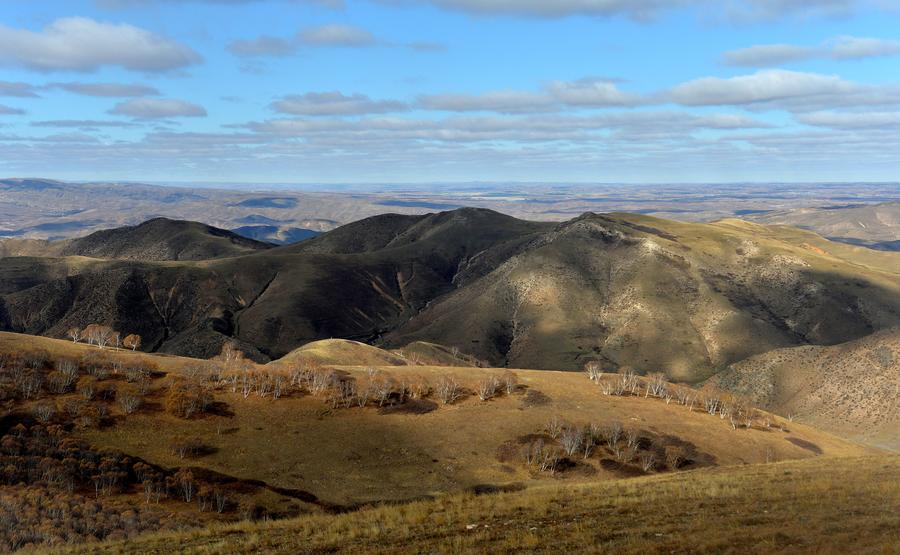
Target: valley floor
821 505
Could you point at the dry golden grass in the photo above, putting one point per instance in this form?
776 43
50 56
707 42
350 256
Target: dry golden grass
338 351
824 505
352 456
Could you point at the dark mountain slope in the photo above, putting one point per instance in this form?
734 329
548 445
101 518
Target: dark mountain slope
163 239
274 300
687 299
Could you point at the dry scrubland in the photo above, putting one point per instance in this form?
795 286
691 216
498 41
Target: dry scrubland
823 505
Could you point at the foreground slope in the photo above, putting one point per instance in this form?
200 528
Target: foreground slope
279 441
852 389
625 290
812 506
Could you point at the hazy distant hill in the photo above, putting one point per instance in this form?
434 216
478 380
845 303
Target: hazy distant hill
875 226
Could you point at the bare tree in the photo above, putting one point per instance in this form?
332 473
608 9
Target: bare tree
632 439
613 435
627 382
87 389
129 400
419 388
487 387
75 334
534 452
657 385
593 370
555 426
571 439
103 335
448 390
674 456
132 341
648 461
550 460
510 382
44 412
321 380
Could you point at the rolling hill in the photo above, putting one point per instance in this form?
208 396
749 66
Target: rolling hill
625 290
876 226
159 239
852 389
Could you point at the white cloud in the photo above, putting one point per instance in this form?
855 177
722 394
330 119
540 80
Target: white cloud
82 44
647 10
851 120
762 86
120 4
592 92
263 46
508 102
337 35
854 48
335 103
763 55
638 9
157 108
839 48
24 90
9 111
84 124
106 89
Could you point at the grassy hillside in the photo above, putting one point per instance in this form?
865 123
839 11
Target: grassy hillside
342 351
814 506
338 351
852 389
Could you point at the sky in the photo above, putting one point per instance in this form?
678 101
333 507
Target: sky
423 91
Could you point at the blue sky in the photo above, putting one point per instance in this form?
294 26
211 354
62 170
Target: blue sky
418 91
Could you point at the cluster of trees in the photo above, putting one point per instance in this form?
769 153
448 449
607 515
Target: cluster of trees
343 390
568 442
31 516
70 391
58 468
711 399
104 336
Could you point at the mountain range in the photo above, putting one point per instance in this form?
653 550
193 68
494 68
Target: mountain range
624 290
